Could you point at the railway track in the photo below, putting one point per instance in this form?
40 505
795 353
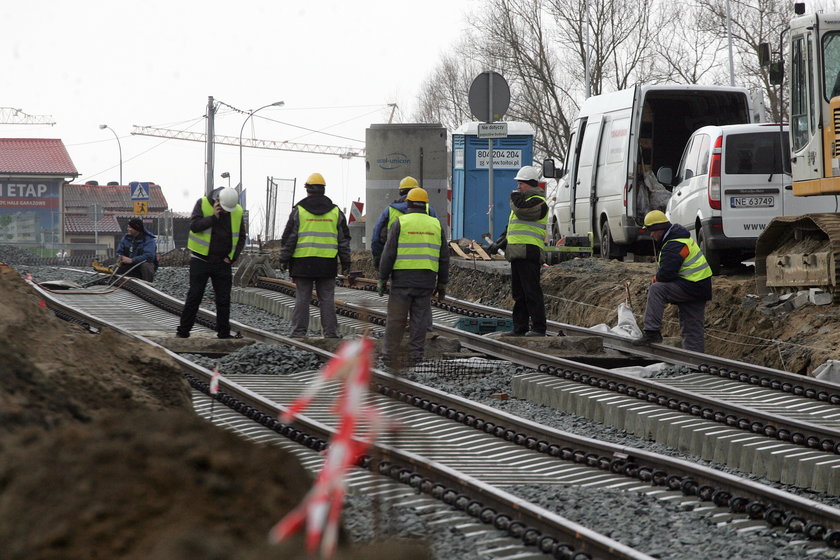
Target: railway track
769 422
732 495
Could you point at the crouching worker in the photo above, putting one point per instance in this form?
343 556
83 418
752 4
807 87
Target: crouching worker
137 252
684 278
416 259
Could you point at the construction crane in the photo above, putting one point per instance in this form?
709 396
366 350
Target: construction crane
342 152
10 115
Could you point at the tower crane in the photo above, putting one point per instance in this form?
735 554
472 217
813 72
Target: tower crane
342 152
10 115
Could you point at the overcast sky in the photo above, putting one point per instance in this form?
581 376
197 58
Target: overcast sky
336 65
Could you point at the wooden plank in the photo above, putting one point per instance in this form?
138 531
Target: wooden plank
457 248
481 252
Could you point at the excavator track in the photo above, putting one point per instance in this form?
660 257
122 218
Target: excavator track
797 253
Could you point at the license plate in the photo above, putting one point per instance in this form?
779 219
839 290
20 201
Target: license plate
751 202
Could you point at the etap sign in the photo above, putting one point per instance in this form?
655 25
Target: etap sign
394 160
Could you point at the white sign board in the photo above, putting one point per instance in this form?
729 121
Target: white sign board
502 159
493 130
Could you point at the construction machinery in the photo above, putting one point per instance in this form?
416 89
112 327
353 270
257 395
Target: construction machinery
801 252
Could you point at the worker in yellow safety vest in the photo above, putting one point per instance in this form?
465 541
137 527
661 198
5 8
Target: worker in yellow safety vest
683 278
216 238
416 260
523 242
316 238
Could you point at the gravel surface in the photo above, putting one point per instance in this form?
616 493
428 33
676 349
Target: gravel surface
667 531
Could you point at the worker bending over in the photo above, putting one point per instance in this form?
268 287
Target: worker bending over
683 278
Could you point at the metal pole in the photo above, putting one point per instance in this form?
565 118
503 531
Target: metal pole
490 184
586 51
211 131
242 129
119 146
729 33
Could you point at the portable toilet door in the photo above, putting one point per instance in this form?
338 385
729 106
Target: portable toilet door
470 181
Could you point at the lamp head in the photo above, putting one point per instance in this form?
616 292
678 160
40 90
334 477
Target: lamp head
278 103
225 175
103 126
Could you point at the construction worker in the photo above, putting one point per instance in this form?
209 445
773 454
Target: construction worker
388 215
416 259
137 252
683 278
524 242
315 235
217 237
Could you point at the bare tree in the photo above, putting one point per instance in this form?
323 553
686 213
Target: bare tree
617 36
516 42
443 97
687 54
753 22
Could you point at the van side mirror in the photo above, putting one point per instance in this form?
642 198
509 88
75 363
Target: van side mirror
665 175
763 54
548 169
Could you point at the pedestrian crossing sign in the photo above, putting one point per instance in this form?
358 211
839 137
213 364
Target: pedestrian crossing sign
139 191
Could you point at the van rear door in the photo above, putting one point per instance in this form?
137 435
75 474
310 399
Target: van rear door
753 179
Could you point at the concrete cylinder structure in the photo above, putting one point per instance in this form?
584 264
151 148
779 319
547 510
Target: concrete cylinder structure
395 151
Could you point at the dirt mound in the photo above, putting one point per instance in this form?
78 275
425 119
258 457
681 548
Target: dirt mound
588 291
101 455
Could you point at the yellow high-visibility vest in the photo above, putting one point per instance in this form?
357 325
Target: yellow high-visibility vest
694 267
418 246
317 234
200 242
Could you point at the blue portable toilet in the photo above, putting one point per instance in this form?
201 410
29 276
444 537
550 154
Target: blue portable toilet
470 188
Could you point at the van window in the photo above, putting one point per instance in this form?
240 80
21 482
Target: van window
689 165
756 152
619 132
703 154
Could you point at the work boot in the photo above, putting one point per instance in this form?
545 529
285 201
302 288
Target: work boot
534 333
649 337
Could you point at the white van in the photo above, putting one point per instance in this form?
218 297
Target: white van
618 140
731 181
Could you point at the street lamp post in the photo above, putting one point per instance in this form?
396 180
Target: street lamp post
241 130
103 127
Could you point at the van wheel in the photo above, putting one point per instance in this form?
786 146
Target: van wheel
606 241
712 256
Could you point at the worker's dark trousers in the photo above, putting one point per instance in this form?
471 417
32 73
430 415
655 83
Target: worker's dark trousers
325 290
144 271
219 273
416 305
692 313
527 295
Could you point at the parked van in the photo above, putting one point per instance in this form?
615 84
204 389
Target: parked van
618 141
731 181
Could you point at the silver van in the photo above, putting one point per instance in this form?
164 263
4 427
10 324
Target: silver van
731 181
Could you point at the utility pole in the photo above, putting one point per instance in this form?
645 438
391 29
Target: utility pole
211 131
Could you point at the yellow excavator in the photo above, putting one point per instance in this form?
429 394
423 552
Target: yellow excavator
800 252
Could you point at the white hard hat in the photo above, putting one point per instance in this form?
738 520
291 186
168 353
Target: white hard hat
529 173
228 199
